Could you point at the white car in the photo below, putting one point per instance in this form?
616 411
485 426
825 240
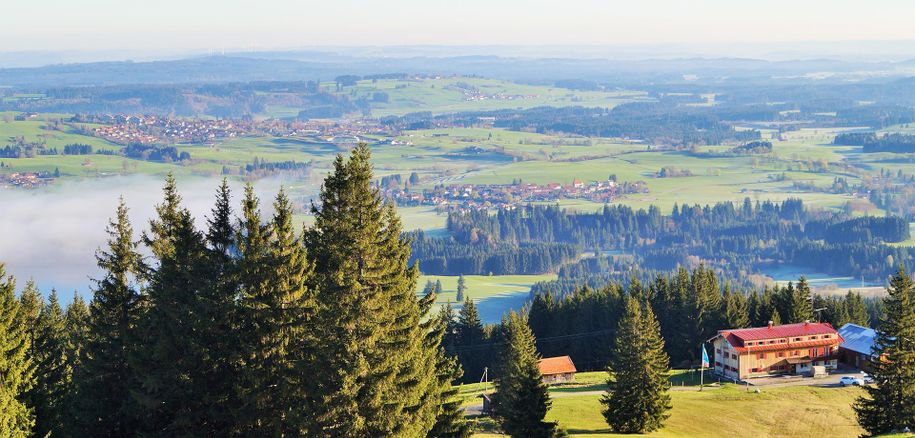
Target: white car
851 381
867 378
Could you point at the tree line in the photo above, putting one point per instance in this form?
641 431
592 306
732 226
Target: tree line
729 237
690 307
437 256
872 142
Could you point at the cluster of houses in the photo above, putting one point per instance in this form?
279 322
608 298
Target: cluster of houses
152 129
484 196
26 180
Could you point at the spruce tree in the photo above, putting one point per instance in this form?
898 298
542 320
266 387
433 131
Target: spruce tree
171 359
461 288
704 307
217 316
16 368
469 333
103 375
637 398
52 370
521 401
735 311
890 403
801 307
76 320
857 309
30 305
375 371
275 309
449 419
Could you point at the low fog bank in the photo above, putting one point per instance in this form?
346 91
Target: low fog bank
51 234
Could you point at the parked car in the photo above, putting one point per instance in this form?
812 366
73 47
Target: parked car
867 378
851 381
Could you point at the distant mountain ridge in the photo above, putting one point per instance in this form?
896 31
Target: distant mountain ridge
312 65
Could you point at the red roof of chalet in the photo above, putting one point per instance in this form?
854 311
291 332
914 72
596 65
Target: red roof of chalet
738 337
556 365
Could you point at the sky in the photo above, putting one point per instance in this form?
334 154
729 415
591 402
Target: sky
214 25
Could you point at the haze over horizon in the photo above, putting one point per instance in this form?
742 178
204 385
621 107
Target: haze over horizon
169 28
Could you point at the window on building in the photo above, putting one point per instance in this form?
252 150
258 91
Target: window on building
782 341
754 370
813 338
795 353
826 336
717 351
797 339
761 356
733 356
781 354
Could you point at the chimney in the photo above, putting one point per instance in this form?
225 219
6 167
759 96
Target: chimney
770 324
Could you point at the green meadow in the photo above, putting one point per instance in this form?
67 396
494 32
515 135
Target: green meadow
727 411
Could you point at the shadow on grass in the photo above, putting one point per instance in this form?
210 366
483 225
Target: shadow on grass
575 431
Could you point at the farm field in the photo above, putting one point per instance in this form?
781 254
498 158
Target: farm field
497 156
454 94
494 295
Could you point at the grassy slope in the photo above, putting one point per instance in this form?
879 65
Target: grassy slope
483 286
730 411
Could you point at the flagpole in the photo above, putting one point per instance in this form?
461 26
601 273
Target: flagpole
702 368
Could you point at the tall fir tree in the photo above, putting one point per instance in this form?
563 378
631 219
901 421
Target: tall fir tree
170 360
470 333
16 368
521 401
378 373
856 309
216 319
637 399
801 307
276 309
52 370
76 320
104 376
704 307
449 419
461 288
890 404
735 311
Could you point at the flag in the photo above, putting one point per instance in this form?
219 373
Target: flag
705 362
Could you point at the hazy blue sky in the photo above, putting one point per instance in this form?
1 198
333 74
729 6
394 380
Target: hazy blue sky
270 24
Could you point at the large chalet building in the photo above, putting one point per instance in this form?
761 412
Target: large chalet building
776 349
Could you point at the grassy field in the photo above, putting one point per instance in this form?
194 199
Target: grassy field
729 411
440 157
448 95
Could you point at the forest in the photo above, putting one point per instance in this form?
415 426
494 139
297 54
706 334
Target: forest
723 236
871 142
246 327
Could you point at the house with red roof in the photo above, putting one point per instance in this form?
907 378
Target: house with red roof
558 369
776 349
